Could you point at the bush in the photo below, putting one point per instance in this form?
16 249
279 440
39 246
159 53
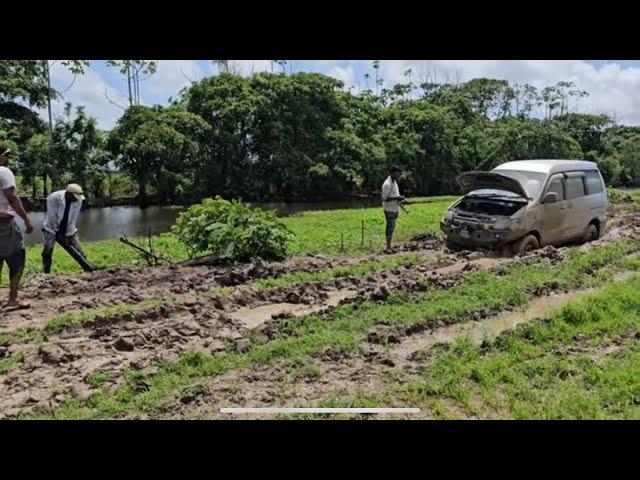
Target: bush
618 196
611 169
233 231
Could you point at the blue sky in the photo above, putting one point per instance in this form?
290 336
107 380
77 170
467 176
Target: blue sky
614 85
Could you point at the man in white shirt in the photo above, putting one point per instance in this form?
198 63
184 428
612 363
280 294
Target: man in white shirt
11 245
391 200
63 208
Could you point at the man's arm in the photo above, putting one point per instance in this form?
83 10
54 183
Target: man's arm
16 204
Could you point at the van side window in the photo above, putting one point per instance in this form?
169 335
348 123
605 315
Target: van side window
556 186
575 187
594 184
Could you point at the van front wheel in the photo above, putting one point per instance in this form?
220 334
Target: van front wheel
454 247
525 244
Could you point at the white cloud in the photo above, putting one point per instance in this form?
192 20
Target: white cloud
612 89
249 67
88 90
172 76
345 74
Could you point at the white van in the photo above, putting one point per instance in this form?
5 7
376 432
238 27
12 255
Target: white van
526 204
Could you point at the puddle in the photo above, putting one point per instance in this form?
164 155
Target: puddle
494 326
253 317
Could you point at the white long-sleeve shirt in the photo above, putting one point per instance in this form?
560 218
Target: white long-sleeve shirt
56 203
390 189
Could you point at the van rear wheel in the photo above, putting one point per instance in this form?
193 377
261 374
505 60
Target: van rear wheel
525 244
591 234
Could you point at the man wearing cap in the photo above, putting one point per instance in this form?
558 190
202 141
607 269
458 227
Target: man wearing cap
11 246
63 208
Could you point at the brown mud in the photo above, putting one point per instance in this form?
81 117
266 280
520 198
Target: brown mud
195 318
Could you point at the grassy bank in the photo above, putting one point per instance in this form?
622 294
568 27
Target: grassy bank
314 232
329 232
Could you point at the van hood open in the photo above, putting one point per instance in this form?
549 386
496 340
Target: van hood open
470 181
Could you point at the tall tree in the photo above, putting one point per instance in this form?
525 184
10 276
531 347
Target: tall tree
136 71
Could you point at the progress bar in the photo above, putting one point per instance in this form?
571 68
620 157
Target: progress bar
319 410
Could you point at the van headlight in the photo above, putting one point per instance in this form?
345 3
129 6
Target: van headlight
507 224
448 217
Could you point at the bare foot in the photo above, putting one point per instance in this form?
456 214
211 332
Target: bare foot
17 305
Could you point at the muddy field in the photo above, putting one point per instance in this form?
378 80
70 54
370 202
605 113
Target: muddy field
132 318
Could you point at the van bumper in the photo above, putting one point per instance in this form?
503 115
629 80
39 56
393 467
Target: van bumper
473 237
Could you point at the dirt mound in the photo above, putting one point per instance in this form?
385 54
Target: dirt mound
547 255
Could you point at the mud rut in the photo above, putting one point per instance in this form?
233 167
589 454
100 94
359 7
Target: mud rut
195 318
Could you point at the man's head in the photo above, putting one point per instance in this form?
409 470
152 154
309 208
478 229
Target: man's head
74 192
5 157
395 172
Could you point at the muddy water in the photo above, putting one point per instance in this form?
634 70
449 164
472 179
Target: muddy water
254 317
491 327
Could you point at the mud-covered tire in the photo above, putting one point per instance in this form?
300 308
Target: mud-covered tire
591 233
525 244
453 246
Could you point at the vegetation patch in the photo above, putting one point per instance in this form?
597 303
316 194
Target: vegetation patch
66 319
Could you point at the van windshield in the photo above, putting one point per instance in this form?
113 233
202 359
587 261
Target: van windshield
532 182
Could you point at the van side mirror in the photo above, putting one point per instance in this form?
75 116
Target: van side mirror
550 197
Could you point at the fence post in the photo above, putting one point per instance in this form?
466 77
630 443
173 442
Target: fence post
362 242
341 242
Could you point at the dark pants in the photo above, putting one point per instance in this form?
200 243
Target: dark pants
391 217
73 241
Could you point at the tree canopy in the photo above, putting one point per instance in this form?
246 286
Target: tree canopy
303 136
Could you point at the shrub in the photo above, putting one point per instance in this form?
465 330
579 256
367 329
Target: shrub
618 196
233 231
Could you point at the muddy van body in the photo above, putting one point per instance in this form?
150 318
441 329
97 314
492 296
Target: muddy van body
525 204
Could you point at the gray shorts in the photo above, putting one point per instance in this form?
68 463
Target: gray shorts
391 218
11 246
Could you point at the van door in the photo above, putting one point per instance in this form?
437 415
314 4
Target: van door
578 209
596 196
553 214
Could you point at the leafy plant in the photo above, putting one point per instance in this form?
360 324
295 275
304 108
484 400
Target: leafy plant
234 231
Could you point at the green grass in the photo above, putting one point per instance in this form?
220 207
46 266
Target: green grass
65 319
106 253
302 338
22 335
545 370
320 231
97 379
7 364
315 232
